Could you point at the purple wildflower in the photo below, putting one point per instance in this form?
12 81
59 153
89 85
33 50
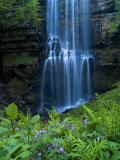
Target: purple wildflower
49 148
62 122
85 122
39 132
61 150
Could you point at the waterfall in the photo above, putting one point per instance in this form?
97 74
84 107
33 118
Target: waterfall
67 74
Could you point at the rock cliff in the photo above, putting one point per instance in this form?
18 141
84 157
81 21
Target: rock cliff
23 49
24 54
105 48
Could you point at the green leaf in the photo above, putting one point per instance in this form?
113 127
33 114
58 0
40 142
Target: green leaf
89 111
13 146
5 121
4 155
3 130
116 156
24 155
2 144
23 118
12 111
35 119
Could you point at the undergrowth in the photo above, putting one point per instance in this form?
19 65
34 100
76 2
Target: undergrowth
91 132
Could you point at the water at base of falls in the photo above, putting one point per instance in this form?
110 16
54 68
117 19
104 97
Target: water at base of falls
67 79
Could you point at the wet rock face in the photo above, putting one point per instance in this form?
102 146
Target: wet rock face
102 13
7 97
23 50
105 77
21 83
21 80
106 49
102 6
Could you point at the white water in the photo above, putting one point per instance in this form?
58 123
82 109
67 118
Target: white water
67 74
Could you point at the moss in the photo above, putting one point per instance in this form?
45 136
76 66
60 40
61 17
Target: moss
11 60
17 87
114 25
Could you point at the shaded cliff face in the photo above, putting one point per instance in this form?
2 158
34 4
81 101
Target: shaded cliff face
23 49
22 64
102 13
105 48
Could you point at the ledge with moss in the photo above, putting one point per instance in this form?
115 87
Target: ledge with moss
18 59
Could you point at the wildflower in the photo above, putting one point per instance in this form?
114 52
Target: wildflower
61 150
85 122
69 126
40 132
98 138
39 154
62 122
49 148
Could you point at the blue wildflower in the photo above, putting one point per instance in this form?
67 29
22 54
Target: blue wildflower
49 148
62 122
40 132
85 122
61 150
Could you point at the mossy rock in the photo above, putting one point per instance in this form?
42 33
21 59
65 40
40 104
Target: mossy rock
17 87
15 60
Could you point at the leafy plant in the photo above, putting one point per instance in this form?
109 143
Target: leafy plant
19 12
12 111
88 133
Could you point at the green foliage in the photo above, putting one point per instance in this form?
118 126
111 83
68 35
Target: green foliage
91 132
114 25
12 111
15 12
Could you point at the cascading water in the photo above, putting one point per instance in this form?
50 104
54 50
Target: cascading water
67 74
